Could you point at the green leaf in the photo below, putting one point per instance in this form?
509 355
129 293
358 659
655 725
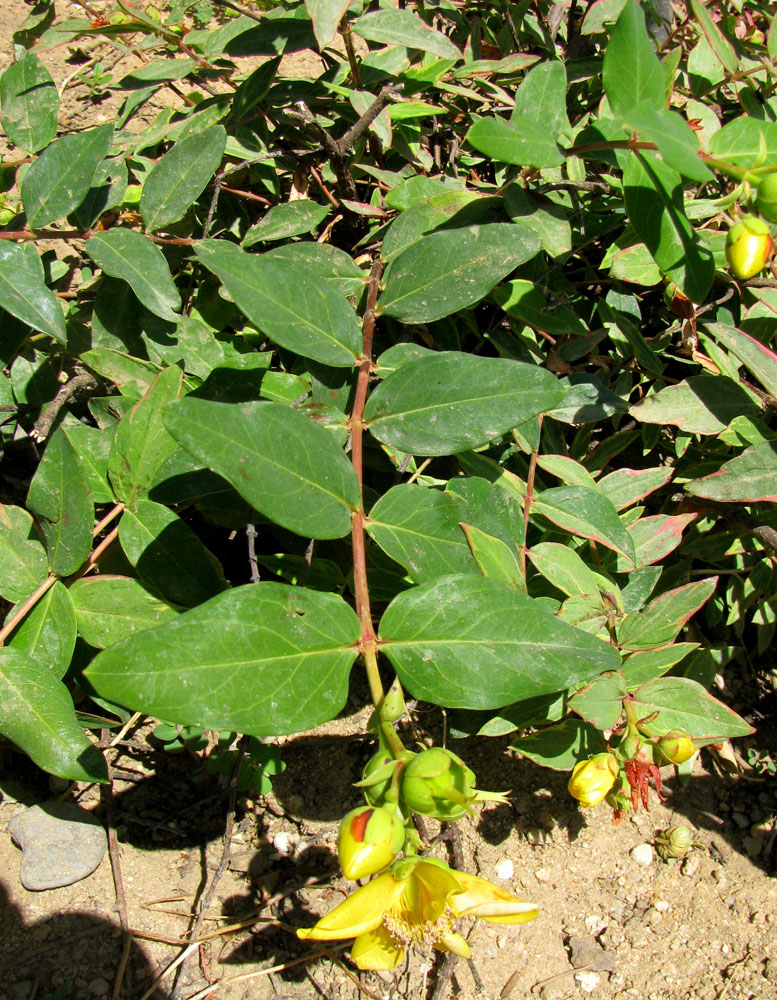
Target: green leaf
59 496
254 89
631 72
30 104
586 513
495 559
450 269
263 659
601 701
625 487
746 142
677 142
93 447
142 445
38 716
720 45
168 555
23 563
283 463
526 301
24 294
180 177
48 634
282 222
59 180
648 664
541 98
420 529
125 254
761 360
748 478
112 608
287 302
662 620
133 376
655 537
560 747
448 402
545 218
331 264
326 16
521 142
702 404
654 201
402 27
683 704
563 567
468 642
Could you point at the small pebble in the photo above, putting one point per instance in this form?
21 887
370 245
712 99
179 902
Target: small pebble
740 819
661 905
690 866
542 875
505 869
284 843
98 987
642 854
753 846
587 981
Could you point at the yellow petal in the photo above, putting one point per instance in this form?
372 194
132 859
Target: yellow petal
362 911
377 950
483 899
451 941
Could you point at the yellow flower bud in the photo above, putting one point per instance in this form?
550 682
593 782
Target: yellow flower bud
592 779
676 747
369 840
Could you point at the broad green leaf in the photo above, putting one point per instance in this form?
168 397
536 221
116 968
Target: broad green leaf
112 608
631 72
23 563
748 478
132 376
142 445
683 704
254 89
662 620
541 98
761 360
563 567
548 220
677 142
625 487
655 537
521 142
420 529
434 212
331 264
288 302
495 559
29 104
526 301
601 701
288 467
702 404
567 470
654 201
634 264
489 508
180 177
468 642
446 403
746 142
48 634
450 269
93 448
648 664
561 746
586 513
284 221
168 555
107 191
24 294
59 180
59 496
586 401
403 27
720 45
262 659
128 255
529 712
585 611
38 716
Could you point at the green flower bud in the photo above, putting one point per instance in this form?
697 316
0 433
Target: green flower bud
676 747
592 779
766 202
377 777
748 247
439 784
393 704
369 839
674 842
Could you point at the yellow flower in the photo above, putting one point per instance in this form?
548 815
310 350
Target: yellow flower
592 779
414 903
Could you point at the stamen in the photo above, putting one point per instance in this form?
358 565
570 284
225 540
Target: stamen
422 934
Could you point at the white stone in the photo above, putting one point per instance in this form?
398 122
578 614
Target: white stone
642 854
284 843
505 869
588 980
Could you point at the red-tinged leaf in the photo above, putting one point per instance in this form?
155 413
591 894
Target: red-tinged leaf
655 537
625 487
661 621
585 513
748 478
682 703
761 361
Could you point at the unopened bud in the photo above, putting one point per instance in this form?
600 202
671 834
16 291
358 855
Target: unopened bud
674 842
369 840
676 747
439 784
393 705
592 779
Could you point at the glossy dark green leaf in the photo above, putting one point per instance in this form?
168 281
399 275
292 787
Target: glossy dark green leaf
282 462
747 478
59 180
142 444
631 72
93 447
649 664
29 104
48 634
521 143
468 642
403 27
331 264
541 98
107 190
23 564
561 746
284 221
24 294
287 302
38 716
495 559
701 404
128 255
681 703
59 496
180 177
168 555
450 269
585 512
446 403
112 608
263 659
